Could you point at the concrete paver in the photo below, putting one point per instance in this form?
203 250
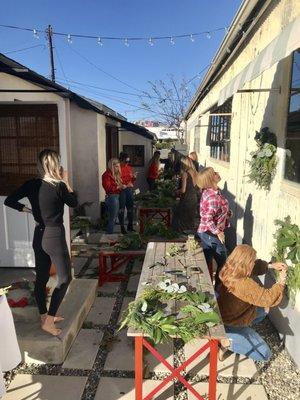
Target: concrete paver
121 356
233 364
78 263
133 283
101 310
123 389
42 387
84 350
125 303
232 391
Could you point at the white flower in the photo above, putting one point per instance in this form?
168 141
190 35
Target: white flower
164 284
182 289
144 307
205 307
289 263
288 152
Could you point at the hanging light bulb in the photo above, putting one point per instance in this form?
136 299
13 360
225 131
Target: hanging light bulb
126 43
172 41
150 41
228 50
35 34
99 41
192 37
70 41
226 30
208 35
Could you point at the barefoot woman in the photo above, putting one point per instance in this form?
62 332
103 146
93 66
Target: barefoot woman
47 195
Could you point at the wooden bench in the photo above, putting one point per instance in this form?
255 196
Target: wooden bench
199 279
153 214
111 259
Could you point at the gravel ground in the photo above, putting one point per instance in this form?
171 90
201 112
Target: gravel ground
280 377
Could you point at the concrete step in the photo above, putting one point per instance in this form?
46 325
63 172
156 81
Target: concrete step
40 347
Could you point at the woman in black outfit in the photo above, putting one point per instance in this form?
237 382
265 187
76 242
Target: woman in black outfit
47 195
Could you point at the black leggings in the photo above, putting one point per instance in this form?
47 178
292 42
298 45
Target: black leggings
50 246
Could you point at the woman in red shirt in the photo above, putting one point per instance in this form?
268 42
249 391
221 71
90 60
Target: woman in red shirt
112 184
214 214
126 196
153 170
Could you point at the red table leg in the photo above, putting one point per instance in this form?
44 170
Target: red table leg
138 367
213 365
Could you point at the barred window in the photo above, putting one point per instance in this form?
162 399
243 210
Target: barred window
292 144
219 131
25 130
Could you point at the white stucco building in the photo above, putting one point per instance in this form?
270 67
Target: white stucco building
254 82
36 113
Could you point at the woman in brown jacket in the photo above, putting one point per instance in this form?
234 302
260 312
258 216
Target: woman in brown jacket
242 300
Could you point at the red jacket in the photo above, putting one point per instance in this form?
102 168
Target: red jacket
127 174
109 184
153 171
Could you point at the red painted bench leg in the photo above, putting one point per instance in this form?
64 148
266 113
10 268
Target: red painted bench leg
138 368
213 365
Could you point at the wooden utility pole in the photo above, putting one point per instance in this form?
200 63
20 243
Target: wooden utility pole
50 45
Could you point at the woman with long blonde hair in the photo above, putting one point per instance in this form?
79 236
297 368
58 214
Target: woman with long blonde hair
112 184
242 301
214 219
47 195
185 212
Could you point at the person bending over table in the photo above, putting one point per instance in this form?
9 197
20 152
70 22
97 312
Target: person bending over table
214 219
243 301
126 195
112 184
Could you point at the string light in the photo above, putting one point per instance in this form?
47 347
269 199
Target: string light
35 34
69 38
150 41
172 41
99 41
126 42
208 35
226 30
228 50
192 37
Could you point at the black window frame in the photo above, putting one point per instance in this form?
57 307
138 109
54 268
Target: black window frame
131 150
219 131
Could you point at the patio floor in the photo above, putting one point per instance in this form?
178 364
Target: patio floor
100 363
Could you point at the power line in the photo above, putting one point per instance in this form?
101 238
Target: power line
25 48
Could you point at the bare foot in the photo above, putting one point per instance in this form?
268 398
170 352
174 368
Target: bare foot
48 326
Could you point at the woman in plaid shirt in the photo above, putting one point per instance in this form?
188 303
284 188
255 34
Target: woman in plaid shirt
214 214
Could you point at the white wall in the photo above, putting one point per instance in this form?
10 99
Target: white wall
84 145
131 138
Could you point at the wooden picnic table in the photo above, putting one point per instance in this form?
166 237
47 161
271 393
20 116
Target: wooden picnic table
154 214
199 279
111 239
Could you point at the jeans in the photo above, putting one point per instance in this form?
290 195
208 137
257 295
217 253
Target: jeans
244 340
213 248
112 207
126 200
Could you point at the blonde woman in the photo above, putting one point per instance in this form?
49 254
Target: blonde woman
112 184
47 195
194 157
185 213
242 300
214 219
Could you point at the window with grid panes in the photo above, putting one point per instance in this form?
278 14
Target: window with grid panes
292 144
219 131
25 130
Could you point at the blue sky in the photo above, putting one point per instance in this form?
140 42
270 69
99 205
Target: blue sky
134 65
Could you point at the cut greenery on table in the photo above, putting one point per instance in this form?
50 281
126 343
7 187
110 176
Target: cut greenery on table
175 251
149 314
287 249
263 161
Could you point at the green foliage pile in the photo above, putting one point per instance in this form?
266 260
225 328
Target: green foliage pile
148 314
166 187
80 223
159 229
264 161
130 241
287 249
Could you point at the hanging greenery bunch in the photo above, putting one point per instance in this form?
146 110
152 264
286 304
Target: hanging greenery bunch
160 229
131 241
149 314
287 249
264 161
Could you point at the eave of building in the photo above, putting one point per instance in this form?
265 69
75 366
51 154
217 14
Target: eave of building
244 21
